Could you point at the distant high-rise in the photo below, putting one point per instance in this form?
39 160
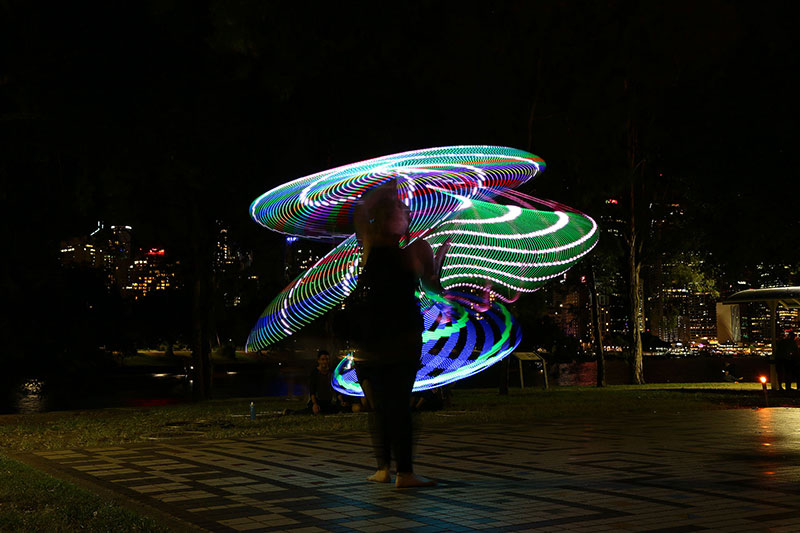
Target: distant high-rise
151 271
80 251
299 255
754 316
116 244
232 268
669 315
109 248
571 311
702 318
106 248
681 313
225 254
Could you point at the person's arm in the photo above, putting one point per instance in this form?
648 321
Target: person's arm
430 264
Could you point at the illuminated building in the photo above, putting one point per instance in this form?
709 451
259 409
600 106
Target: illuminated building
612 298
670 298
612 220
571 311
231 268
702 318
754 316
151 271
116 244
680 314
755 327
224 255
669 314
106 248
299 255
613 315
78 251
109 248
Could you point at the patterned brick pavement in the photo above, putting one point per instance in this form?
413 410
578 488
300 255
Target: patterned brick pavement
736 470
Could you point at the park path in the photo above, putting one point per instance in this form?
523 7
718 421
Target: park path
727 470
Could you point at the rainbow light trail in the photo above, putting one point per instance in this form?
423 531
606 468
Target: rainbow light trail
451 351
498 251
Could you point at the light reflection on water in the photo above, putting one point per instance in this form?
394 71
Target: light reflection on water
150 386
30 404
30 398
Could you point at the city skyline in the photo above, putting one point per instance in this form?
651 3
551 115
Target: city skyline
169 120
696 314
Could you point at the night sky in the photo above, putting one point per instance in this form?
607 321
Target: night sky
166 115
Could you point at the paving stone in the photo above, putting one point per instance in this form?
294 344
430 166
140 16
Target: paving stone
704 471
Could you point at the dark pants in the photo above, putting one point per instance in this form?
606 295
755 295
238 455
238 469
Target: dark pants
388 391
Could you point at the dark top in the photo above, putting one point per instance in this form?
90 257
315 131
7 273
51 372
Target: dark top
319 385
387 310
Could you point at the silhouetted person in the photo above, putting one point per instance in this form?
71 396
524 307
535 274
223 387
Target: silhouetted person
428 400
786 355
322 399
390 342
729 373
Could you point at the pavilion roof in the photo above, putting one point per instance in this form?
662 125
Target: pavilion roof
788 297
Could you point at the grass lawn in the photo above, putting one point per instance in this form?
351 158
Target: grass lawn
33 501
229 418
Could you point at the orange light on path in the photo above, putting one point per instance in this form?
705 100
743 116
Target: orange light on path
763 380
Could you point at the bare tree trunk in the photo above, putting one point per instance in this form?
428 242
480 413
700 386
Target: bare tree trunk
598 337
635 165
637 369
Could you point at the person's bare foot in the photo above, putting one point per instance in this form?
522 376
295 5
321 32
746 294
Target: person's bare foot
381 476
407 480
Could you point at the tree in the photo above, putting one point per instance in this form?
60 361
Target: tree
597 337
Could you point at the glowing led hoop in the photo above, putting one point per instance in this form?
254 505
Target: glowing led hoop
321 205
510 250
496 249
451 351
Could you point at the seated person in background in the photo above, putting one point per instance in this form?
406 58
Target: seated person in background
428 400
729 373
322 398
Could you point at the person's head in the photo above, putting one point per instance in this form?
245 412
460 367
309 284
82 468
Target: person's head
391 216
323 360
790 335
382 215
